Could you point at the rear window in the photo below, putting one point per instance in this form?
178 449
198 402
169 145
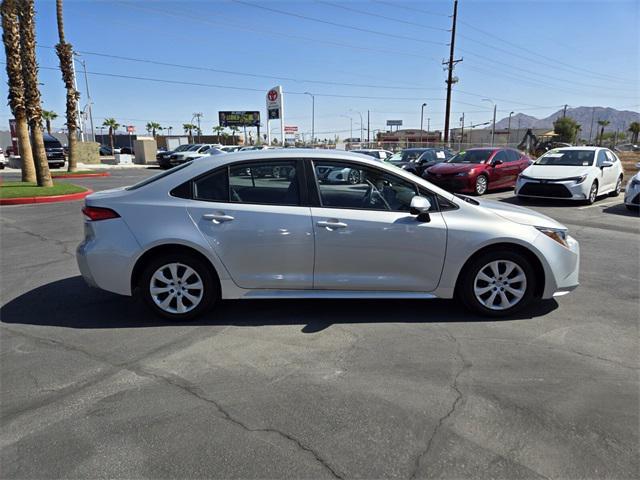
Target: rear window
157 177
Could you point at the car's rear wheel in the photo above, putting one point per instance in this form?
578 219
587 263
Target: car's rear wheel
593 193
480 188
616 191
497 283
178 286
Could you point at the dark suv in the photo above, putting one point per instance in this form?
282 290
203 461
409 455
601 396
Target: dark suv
54 150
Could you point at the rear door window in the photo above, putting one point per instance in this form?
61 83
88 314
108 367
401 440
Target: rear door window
272 182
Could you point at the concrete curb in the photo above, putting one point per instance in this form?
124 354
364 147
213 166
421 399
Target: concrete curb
45 199
81 175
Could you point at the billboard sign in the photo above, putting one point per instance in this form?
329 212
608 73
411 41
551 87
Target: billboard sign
239 119
394 123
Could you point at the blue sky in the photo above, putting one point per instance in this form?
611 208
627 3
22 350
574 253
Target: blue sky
527 56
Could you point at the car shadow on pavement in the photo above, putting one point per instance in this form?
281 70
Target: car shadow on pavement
622 210
70 303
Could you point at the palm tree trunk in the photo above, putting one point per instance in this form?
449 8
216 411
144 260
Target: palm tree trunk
601 135
111 140
11 40
32 92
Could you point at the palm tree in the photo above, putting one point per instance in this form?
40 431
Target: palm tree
152 127
634 128
113 126
49 116
218 130
11 39
234 130
189 128
26 15
602 123
65 54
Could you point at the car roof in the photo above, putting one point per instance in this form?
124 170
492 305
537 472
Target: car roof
580 148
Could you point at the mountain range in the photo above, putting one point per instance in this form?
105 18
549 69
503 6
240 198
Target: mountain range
618 119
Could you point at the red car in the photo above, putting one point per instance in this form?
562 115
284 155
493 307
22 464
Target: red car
479 169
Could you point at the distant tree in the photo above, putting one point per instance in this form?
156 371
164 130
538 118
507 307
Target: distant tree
188 129
218 131
602 123
566 128
234 130
152 127
113 126
49 116
634 128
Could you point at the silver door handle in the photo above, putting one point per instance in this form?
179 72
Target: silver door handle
331 224
217 217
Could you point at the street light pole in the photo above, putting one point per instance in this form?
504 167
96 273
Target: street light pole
509 129
422 120
361 124
493 127
313 117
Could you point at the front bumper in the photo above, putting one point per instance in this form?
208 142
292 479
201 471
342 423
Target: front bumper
562 267
564 190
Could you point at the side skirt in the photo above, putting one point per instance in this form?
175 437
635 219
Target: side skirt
292 294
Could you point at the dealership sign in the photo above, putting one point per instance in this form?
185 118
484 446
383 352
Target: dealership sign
394 123
275 110
290 129
239 119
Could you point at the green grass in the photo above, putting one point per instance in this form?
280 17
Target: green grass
23 189
79 172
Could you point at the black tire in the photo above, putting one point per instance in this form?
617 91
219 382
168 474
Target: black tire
618 188
465 287
211 288
593 195
353 177
481 186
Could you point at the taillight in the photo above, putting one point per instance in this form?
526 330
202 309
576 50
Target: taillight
99 213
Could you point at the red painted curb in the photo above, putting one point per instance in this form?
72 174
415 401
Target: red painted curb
45 199
81 175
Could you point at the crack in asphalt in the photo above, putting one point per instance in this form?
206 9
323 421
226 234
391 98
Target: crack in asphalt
43 238
464 365
170 379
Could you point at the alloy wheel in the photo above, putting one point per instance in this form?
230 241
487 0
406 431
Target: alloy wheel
593 193
176 288
354 177
500 284
481 185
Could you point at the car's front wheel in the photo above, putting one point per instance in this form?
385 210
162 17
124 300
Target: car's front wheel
593 194
497 283
480 187
178 286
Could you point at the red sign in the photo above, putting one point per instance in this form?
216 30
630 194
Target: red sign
272 95
290 129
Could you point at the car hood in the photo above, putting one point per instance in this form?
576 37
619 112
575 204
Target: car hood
517 214
448 168
554 171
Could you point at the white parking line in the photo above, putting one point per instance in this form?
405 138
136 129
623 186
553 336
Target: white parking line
599 205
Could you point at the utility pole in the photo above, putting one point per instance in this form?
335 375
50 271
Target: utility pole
422 121
368 126
197 116
80 120
461 131
593 112
451 64
509 129
428 128
313 117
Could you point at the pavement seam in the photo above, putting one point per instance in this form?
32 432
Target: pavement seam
174 381
464 365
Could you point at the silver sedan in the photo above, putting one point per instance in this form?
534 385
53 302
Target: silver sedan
264 224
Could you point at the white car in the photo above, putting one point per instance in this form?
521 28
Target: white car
376 153
3 160
196 151
217 229
572 173
632 192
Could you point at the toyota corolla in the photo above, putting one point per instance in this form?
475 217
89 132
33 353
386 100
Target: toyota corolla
212 229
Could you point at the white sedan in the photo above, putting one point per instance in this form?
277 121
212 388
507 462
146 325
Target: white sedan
572 173
632 192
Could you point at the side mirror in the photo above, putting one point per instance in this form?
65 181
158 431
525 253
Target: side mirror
607 164
420 206
496 162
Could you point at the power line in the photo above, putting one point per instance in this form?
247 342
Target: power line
335 24
376 15
413 9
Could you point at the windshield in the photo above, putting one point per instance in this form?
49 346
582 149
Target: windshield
471 156
395 158
575 158
182 148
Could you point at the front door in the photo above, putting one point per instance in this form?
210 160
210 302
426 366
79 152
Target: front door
366 239
251 216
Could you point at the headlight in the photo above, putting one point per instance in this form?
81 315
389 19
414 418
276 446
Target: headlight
580 179
556 234
462 174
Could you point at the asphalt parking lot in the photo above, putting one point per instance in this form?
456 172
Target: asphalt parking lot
93 386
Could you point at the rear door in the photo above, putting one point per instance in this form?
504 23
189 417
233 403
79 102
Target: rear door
253 217
366 239
499 170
